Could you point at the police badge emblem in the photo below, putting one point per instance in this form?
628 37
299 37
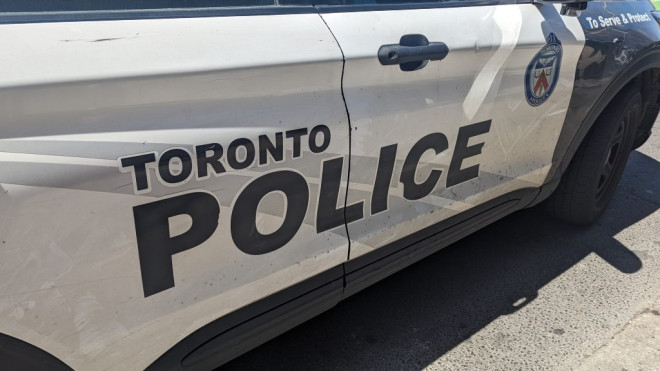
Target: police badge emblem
543 72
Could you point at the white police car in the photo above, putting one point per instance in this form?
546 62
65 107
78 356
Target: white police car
182 180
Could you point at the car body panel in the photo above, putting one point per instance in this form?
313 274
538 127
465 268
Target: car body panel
77 98
480 80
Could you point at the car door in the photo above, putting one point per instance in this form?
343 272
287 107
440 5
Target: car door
160 165
452 104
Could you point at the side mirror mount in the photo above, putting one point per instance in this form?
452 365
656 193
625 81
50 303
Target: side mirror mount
570 8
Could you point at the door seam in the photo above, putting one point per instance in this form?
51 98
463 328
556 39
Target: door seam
350 142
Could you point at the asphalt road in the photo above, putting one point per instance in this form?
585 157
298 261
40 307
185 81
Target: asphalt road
528 292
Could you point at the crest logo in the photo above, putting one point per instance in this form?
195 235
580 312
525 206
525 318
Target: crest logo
543 72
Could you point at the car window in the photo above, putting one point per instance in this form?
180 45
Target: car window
368 2
405 4
16 6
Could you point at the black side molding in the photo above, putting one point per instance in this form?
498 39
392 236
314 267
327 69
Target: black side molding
387 260
236 333
18 355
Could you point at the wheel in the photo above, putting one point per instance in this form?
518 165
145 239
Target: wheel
594 173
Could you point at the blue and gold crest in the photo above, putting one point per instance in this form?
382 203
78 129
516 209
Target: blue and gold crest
543 72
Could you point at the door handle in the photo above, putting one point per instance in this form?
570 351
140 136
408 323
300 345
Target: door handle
412 52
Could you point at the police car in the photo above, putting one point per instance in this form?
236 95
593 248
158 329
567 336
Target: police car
182 180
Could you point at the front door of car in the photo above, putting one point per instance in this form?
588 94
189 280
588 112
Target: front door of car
160 168
451 105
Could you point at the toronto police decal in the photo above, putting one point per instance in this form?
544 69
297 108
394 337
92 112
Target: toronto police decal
176 166
543 72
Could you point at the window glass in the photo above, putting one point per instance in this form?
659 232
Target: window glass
369 2
13 6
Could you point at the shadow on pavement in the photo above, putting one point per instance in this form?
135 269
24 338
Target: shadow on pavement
415 316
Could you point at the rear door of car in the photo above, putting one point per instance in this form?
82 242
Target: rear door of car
435 136
160 165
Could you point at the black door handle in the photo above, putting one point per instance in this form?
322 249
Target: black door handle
412 52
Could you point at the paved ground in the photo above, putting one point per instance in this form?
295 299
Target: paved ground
525 293
636 347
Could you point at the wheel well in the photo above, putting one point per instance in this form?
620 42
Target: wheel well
648 83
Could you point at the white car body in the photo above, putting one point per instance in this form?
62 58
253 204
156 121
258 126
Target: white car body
81 101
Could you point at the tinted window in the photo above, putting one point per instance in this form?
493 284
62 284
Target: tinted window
13 6
368 2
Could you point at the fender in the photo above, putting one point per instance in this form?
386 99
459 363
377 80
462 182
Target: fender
651 59
599 77
575 129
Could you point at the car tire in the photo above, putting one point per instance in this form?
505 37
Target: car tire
594 172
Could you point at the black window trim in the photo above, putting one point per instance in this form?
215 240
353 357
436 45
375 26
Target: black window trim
315 6
139 14
323 7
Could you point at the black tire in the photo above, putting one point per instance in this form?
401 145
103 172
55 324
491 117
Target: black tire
594 173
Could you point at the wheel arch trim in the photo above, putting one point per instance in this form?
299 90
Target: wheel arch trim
648 60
